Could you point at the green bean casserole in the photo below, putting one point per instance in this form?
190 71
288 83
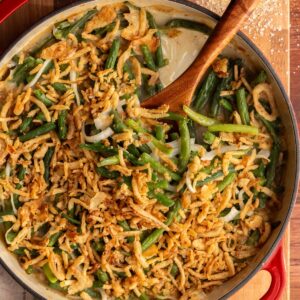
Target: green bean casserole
106 199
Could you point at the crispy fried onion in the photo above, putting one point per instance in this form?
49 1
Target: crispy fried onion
264 89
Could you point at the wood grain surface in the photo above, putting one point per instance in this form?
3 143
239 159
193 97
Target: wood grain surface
278 54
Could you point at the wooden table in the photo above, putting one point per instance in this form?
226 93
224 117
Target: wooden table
275 47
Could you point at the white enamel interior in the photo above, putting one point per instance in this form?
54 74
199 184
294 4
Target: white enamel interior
188 46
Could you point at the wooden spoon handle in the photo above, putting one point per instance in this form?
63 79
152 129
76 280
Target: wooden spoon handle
228 26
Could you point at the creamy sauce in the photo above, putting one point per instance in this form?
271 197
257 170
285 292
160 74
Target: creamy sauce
181 51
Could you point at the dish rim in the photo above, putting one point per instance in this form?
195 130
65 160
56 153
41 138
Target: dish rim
286 98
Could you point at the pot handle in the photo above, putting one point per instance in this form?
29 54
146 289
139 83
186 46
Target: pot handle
276 267
7 7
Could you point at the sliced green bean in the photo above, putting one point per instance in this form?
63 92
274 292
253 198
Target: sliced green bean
144 297
164 200
271 169
148 57
43 129
102 276
112 160
154 236
99 147
103 172
113 54
42 97
226 181
62 124
118 125
174 270
234 128
269 126
70 219
50 276
160 133
185 144
47 161
54 238
60 87
208 137
25 124
242 106
205 91
22 70
261 78
189 24
226 104
223 85
199 118
105 29
173 116
62 33
146 158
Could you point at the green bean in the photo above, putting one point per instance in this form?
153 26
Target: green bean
105 29
260 171
133 150
159 87
205 91
127 69
173 116
145 149
226 104
155 165
162 184
159 132
174 270
102 276
269 126
118 125
10 236
271 169
50 276
226 181
185 144
103 172
164 200
40 117
62 33
189 24
261 78
20 251
112 160
160 60
47 161
144 297
60 87
126 227
137 128
242 106
208 137
62 124
43 129
174 136
113 54
99 246
148 57
234 128
29 270
223 85
99 147
131 158
70 219
97 284
22 70
42 97
25 124
213 177
224 212
54 238
153 237
56 286
199 118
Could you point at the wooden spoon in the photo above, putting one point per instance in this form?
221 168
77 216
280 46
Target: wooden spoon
181 91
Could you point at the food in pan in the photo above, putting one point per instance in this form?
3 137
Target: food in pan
105 198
